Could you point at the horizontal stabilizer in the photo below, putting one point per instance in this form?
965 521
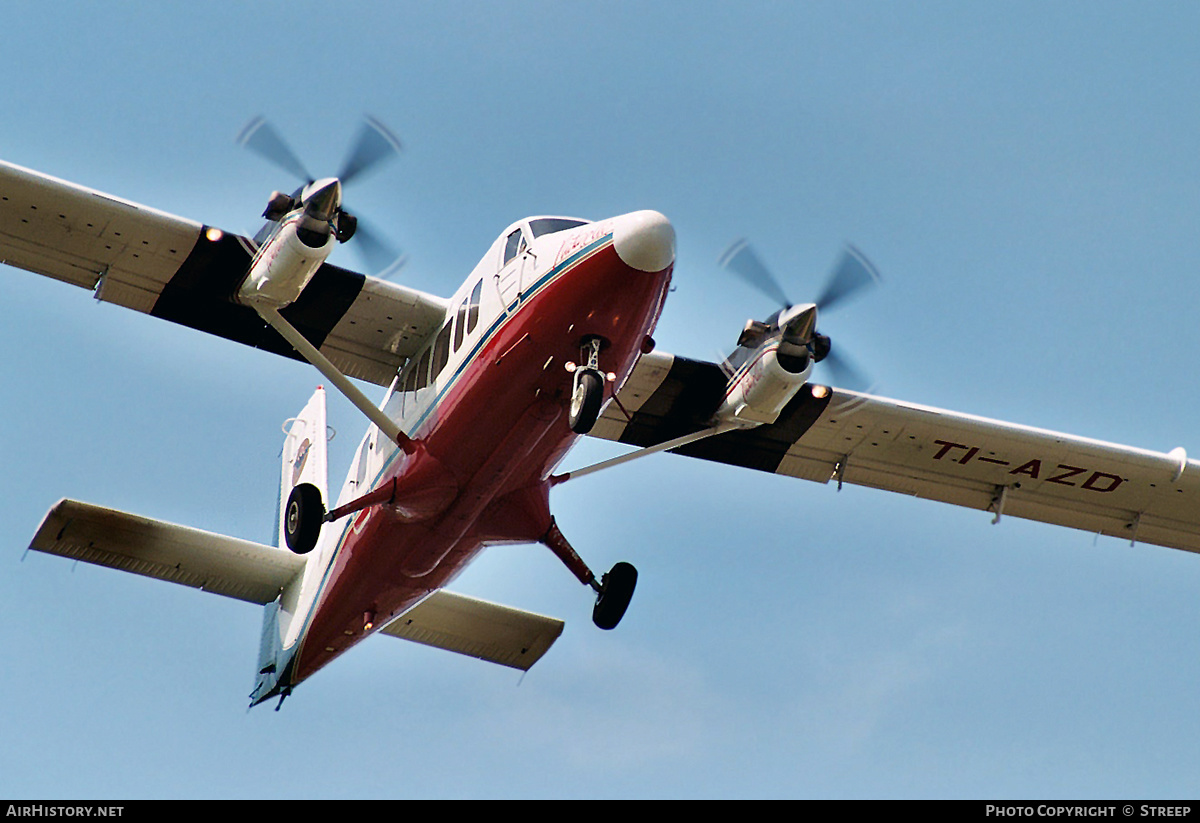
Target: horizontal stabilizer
202 560
477 628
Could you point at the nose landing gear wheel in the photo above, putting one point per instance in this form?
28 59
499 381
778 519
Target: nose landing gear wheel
616 590
586 399
302 518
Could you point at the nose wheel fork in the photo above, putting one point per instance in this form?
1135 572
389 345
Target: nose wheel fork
587 388
613 591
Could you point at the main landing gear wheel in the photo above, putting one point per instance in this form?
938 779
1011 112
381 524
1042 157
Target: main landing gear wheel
613 591
303 517
616 590
586 399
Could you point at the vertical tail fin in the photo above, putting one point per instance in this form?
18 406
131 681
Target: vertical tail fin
304 459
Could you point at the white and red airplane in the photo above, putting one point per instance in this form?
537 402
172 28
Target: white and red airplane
547 340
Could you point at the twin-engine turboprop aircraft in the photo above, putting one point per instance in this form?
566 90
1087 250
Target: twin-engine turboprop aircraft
547 340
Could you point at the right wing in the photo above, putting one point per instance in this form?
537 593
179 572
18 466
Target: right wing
215 563
828 434
186 272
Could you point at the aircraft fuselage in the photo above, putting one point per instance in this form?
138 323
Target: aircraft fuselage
491 421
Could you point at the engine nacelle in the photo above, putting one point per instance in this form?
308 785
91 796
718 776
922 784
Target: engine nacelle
759 390
286 262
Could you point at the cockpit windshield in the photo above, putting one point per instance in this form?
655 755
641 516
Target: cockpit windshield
550 225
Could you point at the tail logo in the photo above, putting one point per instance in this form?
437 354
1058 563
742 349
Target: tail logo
301 459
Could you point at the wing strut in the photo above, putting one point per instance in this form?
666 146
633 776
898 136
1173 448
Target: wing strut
634 455
310 353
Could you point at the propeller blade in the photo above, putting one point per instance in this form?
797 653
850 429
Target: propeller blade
375 145
261 138
380 256
742 261
853 273
845 374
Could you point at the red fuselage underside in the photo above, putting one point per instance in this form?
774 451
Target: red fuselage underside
495 436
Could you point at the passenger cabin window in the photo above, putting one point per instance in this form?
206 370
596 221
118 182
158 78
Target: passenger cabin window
467 317
394 407
423 371
393 404
441 352
513 246
460 325
361 474
473 309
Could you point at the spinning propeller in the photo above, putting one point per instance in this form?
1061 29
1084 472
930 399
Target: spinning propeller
852 274
374 147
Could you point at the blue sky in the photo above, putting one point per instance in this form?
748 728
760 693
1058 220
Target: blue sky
1025 176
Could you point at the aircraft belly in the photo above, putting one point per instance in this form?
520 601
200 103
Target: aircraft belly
387 564
500 428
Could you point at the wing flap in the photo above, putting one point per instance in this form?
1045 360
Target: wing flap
477 628
235 568
386 325
825 434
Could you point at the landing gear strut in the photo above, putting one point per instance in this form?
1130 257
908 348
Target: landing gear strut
587 389
613 591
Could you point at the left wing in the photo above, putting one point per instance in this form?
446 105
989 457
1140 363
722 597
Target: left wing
186 272
828 434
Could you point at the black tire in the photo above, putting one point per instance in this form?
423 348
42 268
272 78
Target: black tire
586 400
303 518
616 591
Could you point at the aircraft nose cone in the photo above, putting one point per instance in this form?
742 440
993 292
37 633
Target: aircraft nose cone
645 240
